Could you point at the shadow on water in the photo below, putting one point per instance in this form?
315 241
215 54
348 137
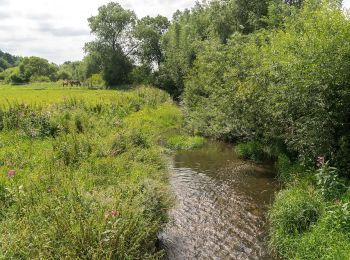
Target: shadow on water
221 205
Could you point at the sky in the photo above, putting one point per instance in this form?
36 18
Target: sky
58 29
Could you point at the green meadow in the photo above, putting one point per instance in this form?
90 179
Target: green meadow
52 93
83 172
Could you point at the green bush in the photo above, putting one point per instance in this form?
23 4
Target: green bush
96 81
338 217
295 212
31 121
278 84
39 78
289 171
252 150
329 183
14 76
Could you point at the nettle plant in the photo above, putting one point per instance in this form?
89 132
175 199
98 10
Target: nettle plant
328 181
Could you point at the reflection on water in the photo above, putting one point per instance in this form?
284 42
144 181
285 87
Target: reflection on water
221 203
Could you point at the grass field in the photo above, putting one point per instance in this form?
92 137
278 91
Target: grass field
82 172
48 93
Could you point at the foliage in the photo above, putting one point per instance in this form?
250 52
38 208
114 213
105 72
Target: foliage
7 60
277 85
295 211
14 76
113 29
289 171
252 150
37 67
96 81
328 182
148 32
304 227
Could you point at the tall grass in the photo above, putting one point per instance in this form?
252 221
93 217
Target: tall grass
84 177
310 218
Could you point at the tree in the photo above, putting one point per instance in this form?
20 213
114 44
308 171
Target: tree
36 67
113 27
149 32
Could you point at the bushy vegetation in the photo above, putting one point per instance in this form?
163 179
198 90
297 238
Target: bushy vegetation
7 61
85 179
310 217
252 150
278 85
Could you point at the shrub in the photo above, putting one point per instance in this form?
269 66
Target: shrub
252 150
71 149
39 78
289 171
14 76
338 217
328 182
295 210
32 122
96 81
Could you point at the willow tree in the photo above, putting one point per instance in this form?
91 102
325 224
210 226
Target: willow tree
113 28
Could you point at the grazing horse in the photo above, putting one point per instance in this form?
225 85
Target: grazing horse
65 83
75 82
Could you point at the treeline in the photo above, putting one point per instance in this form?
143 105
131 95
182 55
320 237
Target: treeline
22 70
286 84
7 61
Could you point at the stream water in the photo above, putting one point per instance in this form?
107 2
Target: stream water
221 205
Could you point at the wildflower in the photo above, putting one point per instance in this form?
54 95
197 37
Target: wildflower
11 173
321 160
114 213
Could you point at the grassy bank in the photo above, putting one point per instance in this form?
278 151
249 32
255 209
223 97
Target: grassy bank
82 172
310 218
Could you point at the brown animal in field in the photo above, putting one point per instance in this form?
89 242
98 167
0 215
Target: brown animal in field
65 83
75 83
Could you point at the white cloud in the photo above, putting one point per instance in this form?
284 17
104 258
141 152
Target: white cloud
58 29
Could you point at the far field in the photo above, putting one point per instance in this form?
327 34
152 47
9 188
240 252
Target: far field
48 93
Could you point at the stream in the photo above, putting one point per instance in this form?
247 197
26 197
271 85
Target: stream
221 205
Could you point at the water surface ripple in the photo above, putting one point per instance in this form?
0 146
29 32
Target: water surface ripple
221 205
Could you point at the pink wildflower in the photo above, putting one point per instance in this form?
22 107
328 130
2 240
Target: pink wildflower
114 213
11 173
321 160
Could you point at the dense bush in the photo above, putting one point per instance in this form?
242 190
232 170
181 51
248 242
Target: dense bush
303 226
252 150
30 121
294 212
288 85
